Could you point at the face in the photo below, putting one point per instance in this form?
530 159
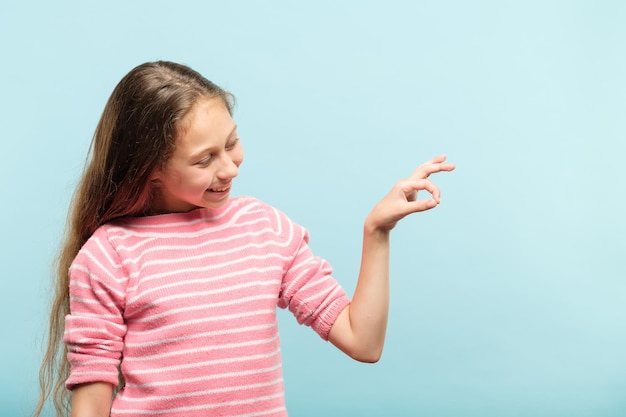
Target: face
204 163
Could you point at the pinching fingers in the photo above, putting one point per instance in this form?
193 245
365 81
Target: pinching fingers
411 187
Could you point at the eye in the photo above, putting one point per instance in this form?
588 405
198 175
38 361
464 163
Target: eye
205 161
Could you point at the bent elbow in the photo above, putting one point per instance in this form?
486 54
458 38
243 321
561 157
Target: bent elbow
372 356
371 359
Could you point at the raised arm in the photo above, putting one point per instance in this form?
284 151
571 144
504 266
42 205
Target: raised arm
360 329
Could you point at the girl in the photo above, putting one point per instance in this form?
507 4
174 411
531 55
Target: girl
168 287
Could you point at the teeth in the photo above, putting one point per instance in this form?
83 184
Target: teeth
218 190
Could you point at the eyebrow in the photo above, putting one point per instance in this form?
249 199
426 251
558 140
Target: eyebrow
232 132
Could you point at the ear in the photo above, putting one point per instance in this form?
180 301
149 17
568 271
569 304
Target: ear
155 176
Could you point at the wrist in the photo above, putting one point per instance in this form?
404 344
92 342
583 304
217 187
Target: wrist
371 230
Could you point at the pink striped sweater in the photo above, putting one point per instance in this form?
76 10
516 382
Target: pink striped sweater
186 305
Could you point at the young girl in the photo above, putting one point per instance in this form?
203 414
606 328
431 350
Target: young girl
168 287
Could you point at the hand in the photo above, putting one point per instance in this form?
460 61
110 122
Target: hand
402 199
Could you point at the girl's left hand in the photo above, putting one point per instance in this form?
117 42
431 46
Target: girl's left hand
402 199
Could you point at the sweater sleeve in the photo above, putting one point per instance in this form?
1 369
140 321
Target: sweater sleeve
95 329
308 289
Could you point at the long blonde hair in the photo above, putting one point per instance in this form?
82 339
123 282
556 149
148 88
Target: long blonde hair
136 134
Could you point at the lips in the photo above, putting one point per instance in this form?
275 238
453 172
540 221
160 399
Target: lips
220 189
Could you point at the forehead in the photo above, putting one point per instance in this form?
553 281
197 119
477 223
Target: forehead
208 123
204 108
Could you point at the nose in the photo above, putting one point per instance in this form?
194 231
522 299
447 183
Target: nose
229 168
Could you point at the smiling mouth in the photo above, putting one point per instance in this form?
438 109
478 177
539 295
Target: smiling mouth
220 190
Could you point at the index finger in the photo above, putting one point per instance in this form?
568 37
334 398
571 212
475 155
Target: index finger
432 166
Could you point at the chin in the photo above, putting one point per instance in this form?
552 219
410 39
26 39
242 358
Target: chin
216 204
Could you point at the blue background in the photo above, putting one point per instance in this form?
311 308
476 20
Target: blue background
509 299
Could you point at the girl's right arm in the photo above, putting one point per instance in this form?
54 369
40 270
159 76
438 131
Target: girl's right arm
360 329
92 400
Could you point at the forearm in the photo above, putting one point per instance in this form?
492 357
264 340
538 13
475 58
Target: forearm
370 304
92 400
361 328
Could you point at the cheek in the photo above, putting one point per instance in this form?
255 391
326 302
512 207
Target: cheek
190 180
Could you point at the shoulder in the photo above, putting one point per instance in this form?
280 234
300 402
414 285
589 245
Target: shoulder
113 242
99 239
282 225
98 247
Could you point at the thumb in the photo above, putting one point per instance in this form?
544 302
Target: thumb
420 205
